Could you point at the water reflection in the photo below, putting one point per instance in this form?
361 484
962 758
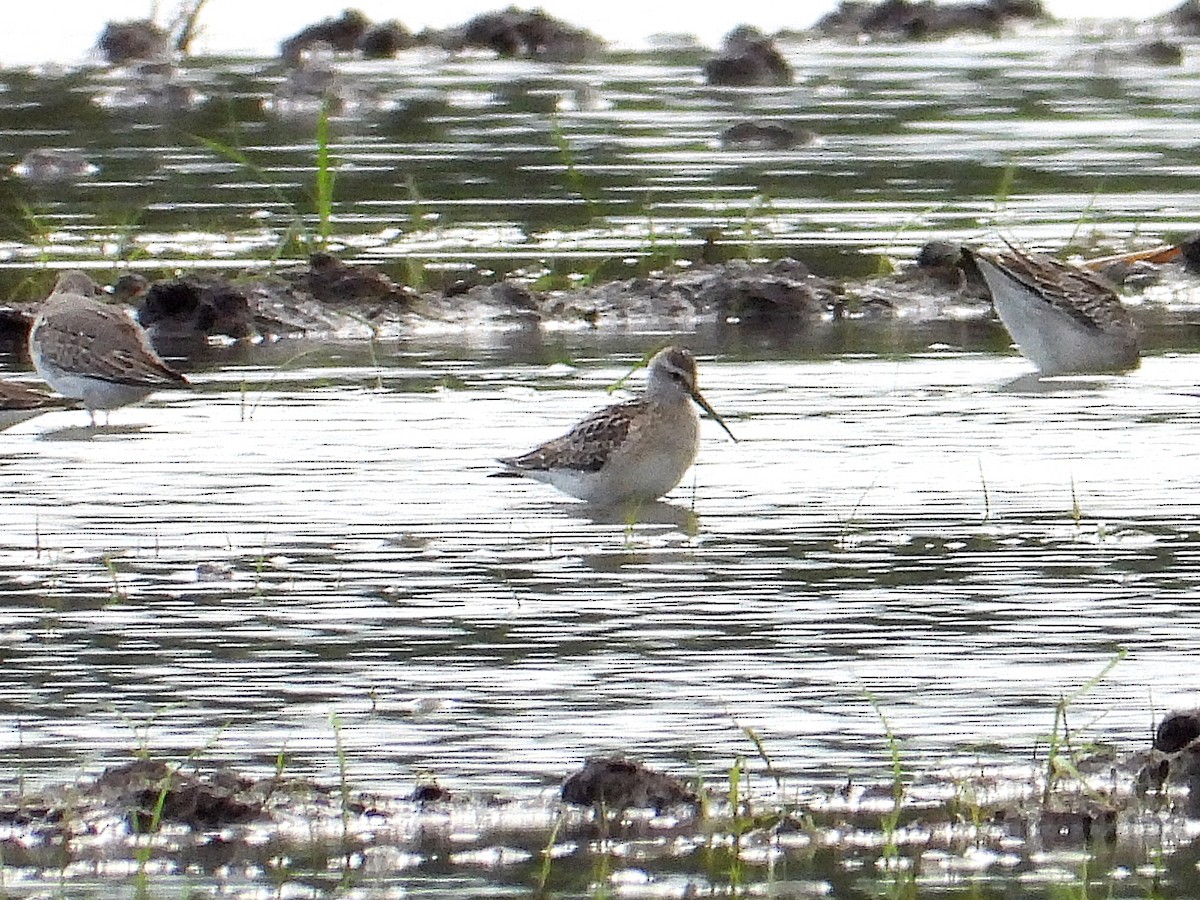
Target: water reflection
605 169
906 527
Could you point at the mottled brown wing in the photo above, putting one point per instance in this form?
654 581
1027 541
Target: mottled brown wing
18 396
587 446
1086 296
85 334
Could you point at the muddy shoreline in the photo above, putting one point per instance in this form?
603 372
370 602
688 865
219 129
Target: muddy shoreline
183 816
783 301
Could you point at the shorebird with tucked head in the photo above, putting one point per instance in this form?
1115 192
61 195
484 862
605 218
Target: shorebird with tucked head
1065 319
92 352
631 452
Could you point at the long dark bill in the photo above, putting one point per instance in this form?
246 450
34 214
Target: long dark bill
703 404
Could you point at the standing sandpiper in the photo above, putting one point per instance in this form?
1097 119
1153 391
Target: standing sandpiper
631 452
1065 319
93 352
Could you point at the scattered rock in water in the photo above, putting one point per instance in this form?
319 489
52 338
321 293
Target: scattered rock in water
1189 250
430 792
217 822
1185 17
1177 730
330 280
314 85
748 58
14 331
764 136
335 299
314 301
942 264
504 303
906 20
343 34
148 791
1065 828
784 291
518 33
193 308
738 292
213 572
150 85
130 287
385 40
1174 758
124 42
48 166
617 783
1159 53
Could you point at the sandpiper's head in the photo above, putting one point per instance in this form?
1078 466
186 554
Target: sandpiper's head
673 371
74 282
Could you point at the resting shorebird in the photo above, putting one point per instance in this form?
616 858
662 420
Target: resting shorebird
93 352
630 452
19 402
1064 318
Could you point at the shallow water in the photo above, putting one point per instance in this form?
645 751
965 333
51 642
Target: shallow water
228 568
305 553
450 165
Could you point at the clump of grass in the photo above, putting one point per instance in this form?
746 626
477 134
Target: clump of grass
154 822
297 235
343 780
1086 217
1063 753
987 498
543 877
415 270
248 406
186 24
761 750
891 821
1004 187
37 230
232 153
883 262
637 366
117 594
848 522
756 206
575 179
326 175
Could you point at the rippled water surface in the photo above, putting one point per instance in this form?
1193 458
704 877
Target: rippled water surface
452 163
304 562
231 566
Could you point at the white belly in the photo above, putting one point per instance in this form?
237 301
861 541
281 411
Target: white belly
650 465
1053 340
94 393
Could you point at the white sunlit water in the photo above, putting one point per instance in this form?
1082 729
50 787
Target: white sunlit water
63 31
250 564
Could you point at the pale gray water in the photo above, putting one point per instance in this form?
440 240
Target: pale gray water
449 166
311 535
488 632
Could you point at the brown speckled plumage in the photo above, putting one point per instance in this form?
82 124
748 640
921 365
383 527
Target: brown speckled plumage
86 337
587 446
1065 318
632 451
1080 293
92 351
19 402
23 397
